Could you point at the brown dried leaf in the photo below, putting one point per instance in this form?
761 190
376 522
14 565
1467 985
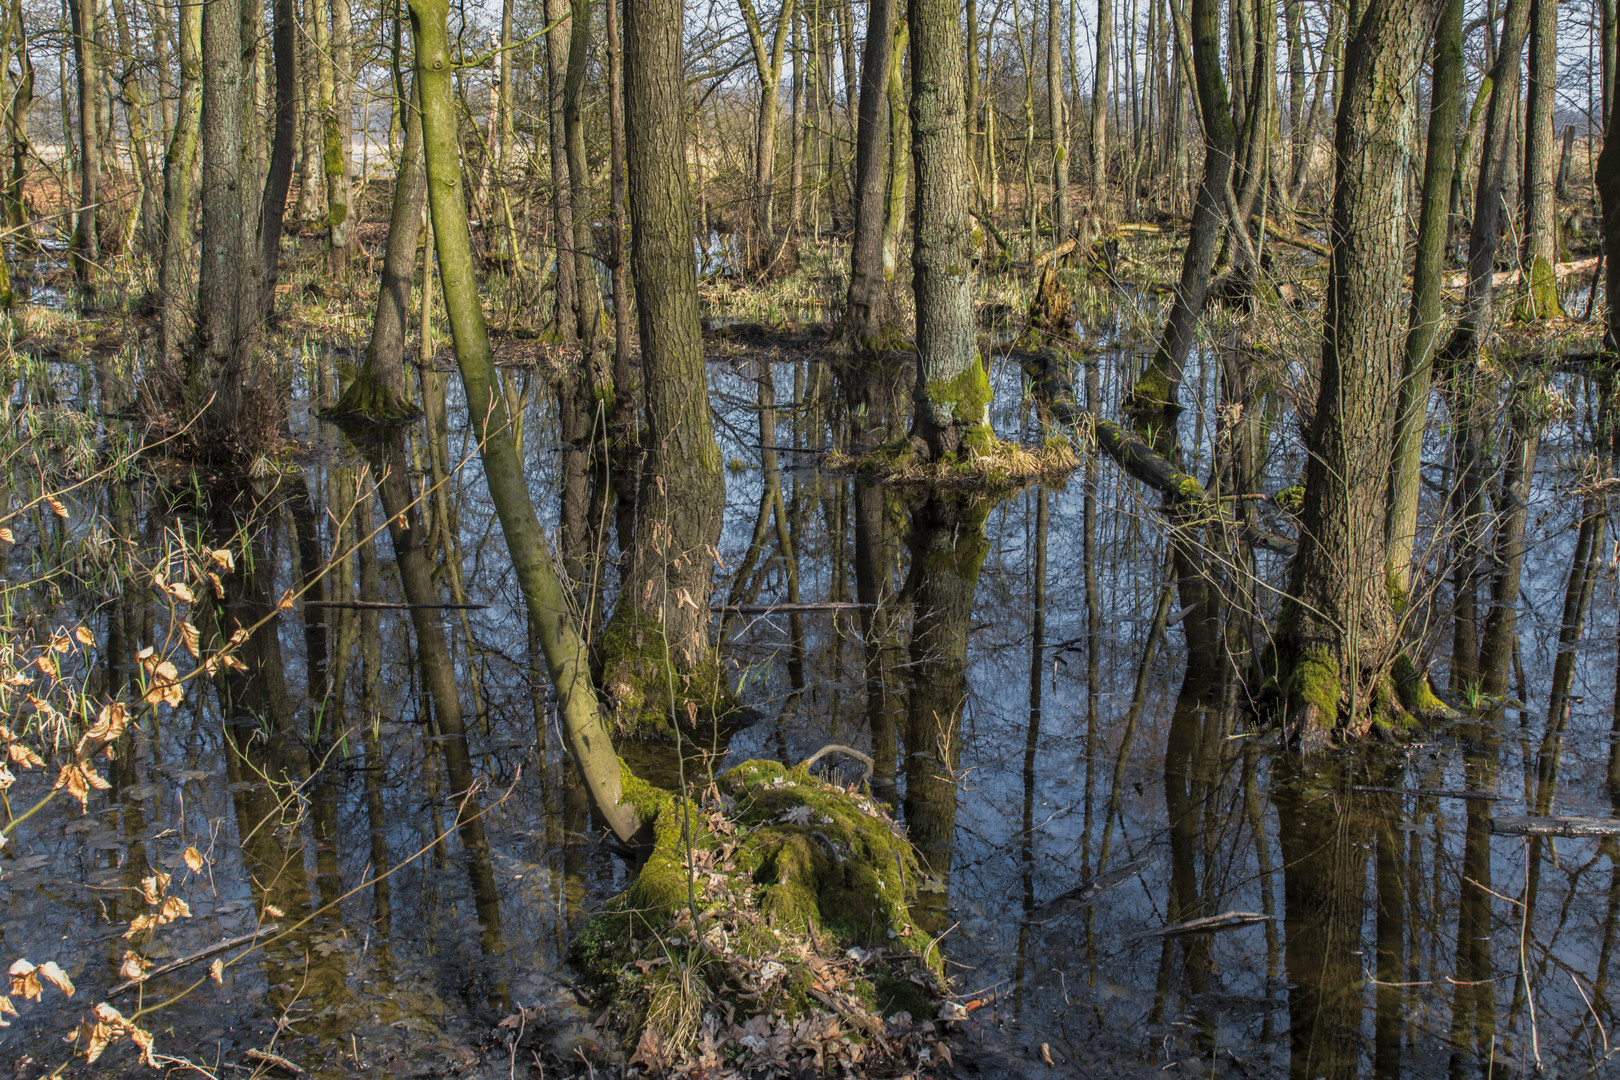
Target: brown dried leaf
153 888
84 637
193 859
110 723
173 908
61 643
134 966
286 601
56 506
219 586
222 558
191 638
56 977
182 592
7 536
25 757
6 778
166 688
139 924
216 970
6 1006
25 981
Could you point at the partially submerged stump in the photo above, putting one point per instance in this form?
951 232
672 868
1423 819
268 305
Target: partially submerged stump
800 891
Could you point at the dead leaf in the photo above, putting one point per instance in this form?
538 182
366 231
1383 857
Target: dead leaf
193 859
173 908
134 966
216 971
84 637
153 888
56 506
25 757
222 558
25 981
191 638
140 923
6 535
56 977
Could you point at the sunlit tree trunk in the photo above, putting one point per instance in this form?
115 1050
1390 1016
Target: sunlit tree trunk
863 315
1061 211
1338 625
1423 320
1540 157
657 649
1102 91
565 652
558 39
768 66
952 393
85 246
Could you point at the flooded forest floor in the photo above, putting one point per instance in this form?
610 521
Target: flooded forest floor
1123 873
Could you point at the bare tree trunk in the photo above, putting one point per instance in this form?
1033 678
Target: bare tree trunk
1102 91
1540 199
1061 211
174 272
863 316
85 247
658 658
952 393
1339 633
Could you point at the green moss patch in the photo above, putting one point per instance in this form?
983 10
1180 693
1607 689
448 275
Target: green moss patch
966 395
646 695
777 906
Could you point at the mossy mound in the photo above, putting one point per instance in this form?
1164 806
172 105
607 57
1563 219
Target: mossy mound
801 893
983 463
368 400
646 693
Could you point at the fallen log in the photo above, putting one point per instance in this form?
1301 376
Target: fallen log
1528 825
1428 793
1229 920
202 954
1508 277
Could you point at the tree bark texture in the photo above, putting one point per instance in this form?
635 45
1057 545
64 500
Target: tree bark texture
1338 623
952 391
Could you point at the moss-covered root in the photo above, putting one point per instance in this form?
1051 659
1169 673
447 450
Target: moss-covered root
646 693
367 399
1311 694
1412 688
1541 298
800 893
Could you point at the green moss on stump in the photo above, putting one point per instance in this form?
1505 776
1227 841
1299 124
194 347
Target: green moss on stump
788 874
368 400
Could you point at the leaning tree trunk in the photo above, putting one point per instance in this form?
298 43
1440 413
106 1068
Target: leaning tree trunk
952 393
657 654
1338 632
567 659
1158 389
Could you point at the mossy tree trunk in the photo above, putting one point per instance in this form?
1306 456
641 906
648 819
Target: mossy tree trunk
566 657
22 101
658 645
377 392
863 315
894 202
1338 633
952 393
1428 269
